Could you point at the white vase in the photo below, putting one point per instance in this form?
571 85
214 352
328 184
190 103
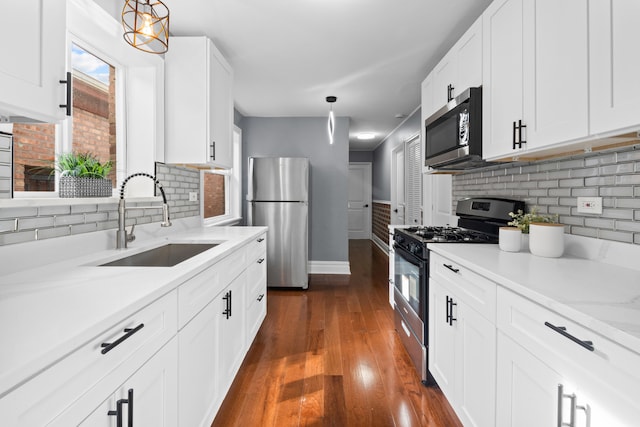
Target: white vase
546 239
510 239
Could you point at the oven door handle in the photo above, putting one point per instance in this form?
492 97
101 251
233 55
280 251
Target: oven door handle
408 256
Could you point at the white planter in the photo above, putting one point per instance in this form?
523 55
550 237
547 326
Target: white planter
510 239
546 240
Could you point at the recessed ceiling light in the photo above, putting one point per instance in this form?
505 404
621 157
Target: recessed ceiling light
366 135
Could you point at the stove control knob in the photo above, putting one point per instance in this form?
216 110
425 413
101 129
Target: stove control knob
398 238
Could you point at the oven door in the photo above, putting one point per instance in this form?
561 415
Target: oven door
410 280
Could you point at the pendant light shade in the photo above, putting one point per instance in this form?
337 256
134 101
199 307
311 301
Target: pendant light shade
146 25
331 122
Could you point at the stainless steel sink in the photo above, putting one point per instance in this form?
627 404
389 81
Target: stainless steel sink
162 256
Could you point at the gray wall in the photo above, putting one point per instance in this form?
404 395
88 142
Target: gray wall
555 185
307 137
361 156
382 155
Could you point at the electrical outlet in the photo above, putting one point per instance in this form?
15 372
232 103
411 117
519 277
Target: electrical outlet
193 196
591 205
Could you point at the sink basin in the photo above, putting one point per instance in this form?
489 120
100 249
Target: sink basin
162 256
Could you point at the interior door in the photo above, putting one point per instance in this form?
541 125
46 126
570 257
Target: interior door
397 185
359 205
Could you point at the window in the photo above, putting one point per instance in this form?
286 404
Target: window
221 188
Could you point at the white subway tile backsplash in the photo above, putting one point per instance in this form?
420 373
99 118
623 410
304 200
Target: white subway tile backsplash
554 185
62 220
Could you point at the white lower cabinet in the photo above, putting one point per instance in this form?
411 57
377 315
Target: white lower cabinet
156 367
526 388
462 340
552 370
148 398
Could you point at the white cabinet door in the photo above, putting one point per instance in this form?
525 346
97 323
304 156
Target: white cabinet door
231 342
614 67
221 109
527 389
442 340
444 79
198 367
150 395
34 34
462 355
468 57
199 103
555 72
476 366
502 100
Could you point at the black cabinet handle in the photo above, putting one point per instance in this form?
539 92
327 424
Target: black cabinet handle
107 347
450 89
261 239
118 412
227 309
212 146
519 140
450 305
67 106
260 297
395 210
366 206
563 331
261 260
450 267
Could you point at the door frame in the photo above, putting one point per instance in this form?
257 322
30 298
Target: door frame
394 184
368 192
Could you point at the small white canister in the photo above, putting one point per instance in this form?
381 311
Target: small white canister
546 239
510 239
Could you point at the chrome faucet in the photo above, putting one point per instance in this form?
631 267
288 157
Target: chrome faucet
122 236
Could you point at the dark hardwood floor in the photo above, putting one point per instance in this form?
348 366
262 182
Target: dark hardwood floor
330 356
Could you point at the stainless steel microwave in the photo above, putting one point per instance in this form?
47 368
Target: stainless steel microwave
453 135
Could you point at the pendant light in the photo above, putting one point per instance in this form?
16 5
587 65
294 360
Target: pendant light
146 25
331 123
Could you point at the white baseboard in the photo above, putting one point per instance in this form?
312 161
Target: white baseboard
329 267
381 244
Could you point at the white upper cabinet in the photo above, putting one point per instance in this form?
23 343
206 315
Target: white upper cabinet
535 56
556 101
460 68
614 65
33 60
199 103
502 71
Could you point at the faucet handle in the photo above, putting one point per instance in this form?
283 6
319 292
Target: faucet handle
130 236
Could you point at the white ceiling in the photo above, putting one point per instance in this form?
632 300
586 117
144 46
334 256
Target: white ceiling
289 55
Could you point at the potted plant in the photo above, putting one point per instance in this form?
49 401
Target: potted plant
523 220
547 236
83 175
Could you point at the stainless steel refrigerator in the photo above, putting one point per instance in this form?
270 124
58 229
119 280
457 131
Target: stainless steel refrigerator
278 197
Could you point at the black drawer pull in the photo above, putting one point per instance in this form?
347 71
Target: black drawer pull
108 346
563 331
261 260
261 240
450 267
260 297
118 412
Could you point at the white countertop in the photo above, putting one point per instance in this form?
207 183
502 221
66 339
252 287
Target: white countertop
49 311
601 292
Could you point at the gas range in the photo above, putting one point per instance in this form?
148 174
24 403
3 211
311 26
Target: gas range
414 239
479 222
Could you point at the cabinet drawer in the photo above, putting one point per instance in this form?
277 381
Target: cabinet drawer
257 248
529 324
256 312
256 279
197 292
474 290
41 399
